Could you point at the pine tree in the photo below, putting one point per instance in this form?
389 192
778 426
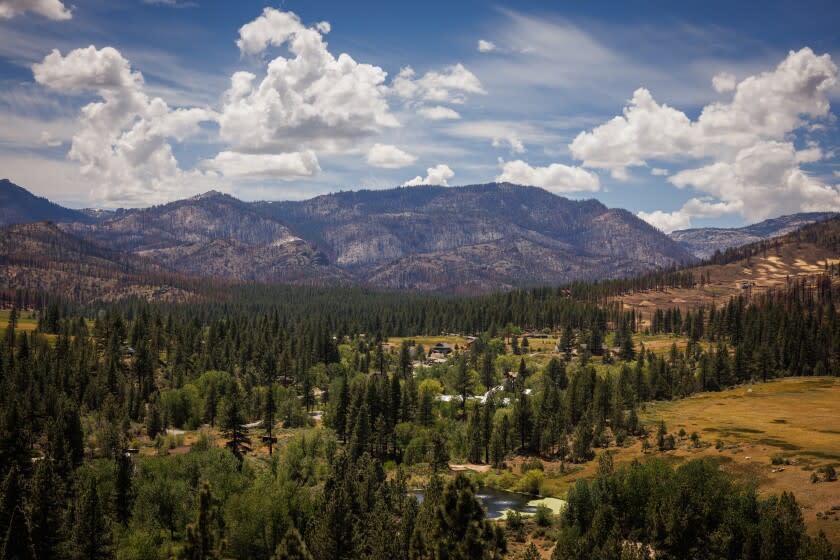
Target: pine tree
292 547
154 423
123 491
17 544
523 418
45 515
90 532
233 424
268 417
405 359
455 527
340 422
463 383
360 439
488 371
203 538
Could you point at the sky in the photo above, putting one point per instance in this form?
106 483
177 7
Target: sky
687 114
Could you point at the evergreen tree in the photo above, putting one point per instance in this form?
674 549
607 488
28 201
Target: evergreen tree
340 422
463 384
123 490
269 414
292 547
203 538
90 531
456 528
17 542
233 424
45 510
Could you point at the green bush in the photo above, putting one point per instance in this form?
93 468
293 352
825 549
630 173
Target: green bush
779 459
543 516
530 483
531 465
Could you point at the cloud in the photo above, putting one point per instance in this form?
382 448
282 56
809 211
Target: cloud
310 99
764 180
437 175
750 165
557 178
287 166
51 9
724 82
438 113
451 85
513 141
513 135
658 172
123 143
389 157
486 46
48 140
666 221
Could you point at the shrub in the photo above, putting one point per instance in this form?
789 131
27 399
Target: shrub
530 483
513 520
543 516
779 459
531 465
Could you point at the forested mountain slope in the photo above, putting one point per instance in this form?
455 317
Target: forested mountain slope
705 242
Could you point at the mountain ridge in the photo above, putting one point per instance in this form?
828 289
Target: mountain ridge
19 206
705 242
471 239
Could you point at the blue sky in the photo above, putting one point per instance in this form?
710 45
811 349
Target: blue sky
689 114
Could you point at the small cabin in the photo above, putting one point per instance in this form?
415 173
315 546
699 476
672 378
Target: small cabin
441 348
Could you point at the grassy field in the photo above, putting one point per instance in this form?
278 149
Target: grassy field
26 320
795 417
429 341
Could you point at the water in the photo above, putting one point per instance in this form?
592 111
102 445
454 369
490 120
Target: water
497 502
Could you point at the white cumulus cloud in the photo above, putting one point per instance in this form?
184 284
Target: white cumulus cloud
724 82
287 166
51 9
389 157
451 85
123 143
557 178
309 99
666 221
437 175
749 163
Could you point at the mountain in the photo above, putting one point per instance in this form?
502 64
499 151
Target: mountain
800 257
212 235
475 238
19 206
705 242
43 257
